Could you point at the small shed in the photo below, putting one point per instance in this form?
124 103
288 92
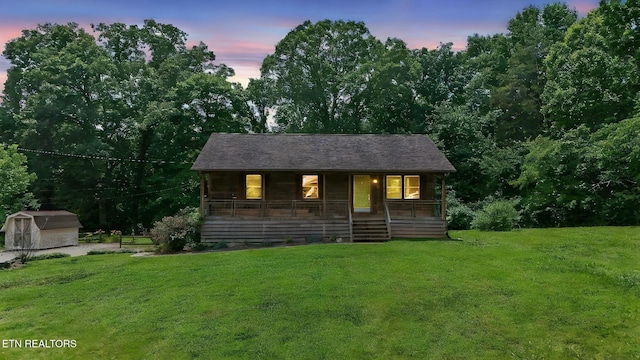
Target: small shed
40 230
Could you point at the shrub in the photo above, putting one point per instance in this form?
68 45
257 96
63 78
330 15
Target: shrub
172 233
459 214
107 252
313 239
500 215
200 247
220 245
49 256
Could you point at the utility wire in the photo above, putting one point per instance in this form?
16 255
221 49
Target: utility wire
96 157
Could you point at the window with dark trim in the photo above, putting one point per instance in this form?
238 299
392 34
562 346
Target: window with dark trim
310 188
394 187
412 187
254 186
403 187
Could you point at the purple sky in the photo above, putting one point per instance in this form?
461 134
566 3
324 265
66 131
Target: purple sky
243 32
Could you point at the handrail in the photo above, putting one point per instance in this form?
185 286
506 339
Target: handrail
387 219
412 208
350 225
277 208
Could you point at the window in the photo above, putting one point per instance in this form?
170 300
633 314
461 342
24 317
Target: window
254 186
412 187
394 187
310 187
399 189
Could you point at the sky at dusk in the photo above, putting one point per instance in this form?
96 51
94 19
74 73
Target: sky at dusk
242 32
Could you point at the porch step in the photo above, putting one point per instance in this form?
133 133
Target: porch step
370 230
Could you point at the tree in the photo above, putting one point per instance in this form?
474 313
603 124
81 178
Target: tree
136 103
555 181
532 33
15 181
53 97
509 69
464 137
442 77
390 99
317 76
615 154
589 83
584 177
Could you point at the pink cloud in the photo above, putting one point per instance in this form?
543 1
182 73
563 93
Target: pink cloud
9 32
3 79
431 35
582 6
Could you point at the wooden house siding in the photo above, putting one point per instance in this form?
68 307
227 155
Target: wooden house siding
282 186
336 186
282 211
276 230
225 185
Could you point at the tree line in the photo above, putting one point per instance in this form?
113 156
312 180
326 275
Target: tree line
545 115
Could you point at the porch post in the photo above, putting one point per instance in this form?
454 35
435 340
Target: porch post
324 195
202 194
443 203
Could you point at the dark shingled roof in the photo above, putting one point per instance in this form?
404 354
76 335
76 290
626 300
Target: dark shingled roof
54 219
319 152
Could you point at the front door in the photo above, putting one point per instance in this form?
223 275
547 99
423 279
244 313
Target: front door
362 193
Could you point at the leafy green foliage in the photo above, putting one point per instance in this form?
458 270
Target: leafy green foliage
553 181
584 177
316 76
15 181
459 214
390 101
500 215
615 154
48 256
108 252
135 101
448 126
588 83
508 69
174 232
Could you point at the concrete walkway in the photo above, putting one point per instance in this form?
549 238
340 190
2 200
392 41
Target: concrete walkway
77 250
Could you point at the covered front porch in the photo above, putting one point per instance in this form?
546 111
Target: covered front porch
350 207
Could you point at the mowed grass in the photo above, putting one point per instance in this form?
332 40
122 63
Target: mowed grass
527 294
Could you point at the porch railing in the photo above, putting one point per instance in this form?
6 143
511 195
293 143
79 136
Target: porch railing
312 209
412 208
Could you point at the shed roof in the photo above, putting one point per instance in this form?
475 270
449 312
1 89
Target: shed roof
321 152
52 219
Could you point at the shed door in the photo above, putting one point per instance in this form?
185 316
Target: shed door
22 233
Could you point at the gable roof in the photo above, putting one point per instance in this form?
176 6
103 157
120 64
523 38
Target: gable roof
321 152
51 219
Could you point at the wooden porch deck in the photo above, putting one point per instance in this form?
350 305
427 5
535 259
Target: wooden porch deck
254 221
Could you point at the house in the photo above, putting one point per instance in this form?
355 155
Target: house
37 230
256 187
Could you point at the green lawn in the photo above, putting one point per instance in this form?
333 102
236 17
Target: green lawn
528 294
